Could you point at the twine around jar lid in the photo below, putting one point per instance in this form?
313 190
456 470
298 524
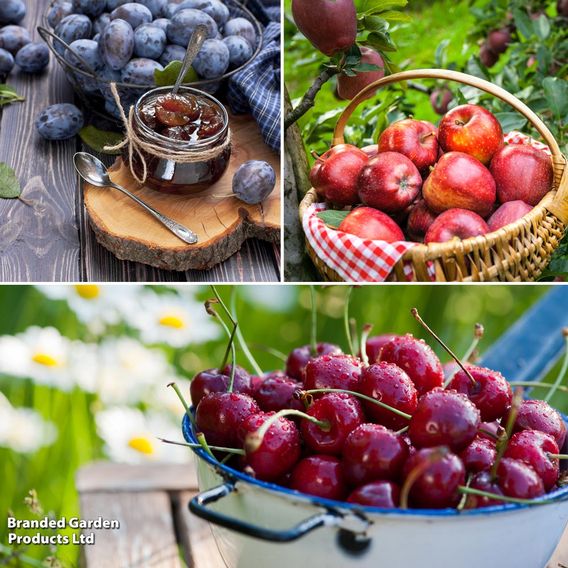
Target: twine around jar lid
136 144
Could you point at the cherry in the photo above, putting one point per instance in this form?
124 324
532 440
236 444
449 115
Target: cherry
490 430
411 449
433 476
219 414
479 455
333 372
213 380
276 392
241 374
418 359
532 447
383 494
539 415
373 452
519 480
450 369
483 482
321 476
301 356
444 418
343 413
491 392
278 451
374 345
390 385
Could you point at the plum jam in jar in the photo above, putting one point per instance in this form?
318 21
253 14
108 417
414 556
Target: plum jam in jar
189 133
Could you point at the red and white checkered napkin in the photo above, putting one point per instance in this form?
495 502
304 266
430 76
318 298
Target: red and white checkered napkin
364 260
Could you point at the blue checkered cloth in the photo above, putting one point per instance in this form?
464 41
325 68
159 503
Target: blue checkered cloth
256 89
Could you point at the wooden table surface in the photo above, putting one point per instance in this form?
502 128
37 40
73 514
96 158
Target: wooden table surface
48 238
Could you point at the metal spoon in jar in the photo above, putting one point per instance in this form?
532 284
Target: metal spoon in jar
195 42
93 171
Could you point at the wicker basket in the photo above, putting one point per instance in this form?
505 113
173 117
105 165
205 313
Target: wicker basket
516 253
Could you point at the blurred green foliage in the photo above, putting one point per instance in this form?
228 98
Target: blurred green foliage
270 316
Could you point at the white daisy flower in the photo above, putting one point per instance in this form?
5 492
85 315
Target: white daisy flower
46 357
171 319
131 436
23 430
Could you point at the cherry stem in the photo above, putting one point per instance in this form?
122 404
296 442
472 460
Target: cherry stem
184 402
271 351
463 500
314 328
563 370
354 333
437 455
367 328
216 448
558 456
503 441
402 430
417 317
478 332
229 347
536 385
364 397
497 497
346 320
203 443
242 343
254 439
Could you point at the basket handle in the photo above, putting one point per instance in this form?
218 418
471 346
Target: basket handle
559 206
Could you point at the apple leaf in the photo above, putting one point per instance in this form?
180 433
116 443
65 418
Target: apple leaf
523 22
556 93
541 27
381 41
396 16
169 75
377 6
333 218
9 184
511 121
98 139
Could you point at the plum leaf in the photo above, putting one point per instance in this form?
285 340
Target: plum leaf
332 218
169 74
98 139
9 184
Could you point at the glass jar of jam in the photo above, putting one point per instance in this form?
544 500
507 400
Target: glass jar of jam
188 124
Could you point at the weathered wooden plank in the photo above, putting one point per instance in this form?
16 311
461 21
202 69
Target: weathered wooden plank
108 477
39 241
146 537
560 557
196 538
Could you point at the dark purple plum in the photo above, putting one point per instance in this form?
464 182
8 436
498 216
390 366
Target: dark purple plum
254 181
59 11
12 11
106 76
241 27
172 53
240 50
212 60
149 41
88 51
140 71
214 8
117 44
162 23
91 8
156 7
6 62
134 14
33 58
101 23
183 25
13 38
72 28
59 122
114 4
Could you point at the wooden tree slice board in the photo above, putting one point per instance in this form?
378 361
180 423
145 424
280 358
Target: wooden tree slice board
221 221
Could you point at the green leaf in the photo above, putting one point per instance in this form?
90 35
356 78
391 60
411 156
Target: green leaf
366 67
523 22
9 184
375 24
396 16
556 93
332 218
381 41
511 121
98 139
541 27
440 54
9 95
375 6
168 76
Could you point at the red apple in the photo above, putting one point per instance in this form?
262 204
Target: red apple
508 213
416 139
419 221
486 56
336 172
330 25
369 223
522 172
460 181
371 150
348 87
389 182
440 99
453 223
471 129
498 40
562 8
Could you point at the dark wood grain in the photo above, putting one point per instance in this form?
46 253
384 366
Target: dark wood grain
50 240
